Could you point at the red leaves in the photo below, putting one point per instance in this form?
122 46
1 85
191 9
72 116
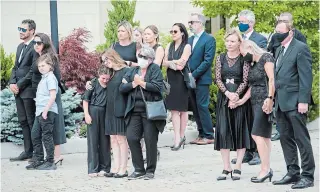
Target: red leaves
76 63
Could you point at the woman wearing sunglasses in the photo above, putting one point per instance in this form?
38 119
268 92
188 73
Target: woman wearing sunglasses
176 56
43 45
143 82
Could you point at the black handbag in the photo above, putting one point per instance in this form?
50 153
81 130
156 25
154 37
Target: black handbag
166 87
155 110
188 78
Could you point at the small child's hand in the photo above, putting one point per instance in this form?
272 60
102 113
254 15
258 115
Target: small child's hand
44 114
88 119
88 85
124 81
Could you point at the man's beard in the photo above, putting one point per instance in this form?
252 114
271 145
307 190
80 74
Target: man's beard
24 37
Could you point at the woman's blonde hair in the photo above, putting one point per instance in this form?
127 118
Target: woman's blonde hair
128 27
138 29
112 55
155 31
255 48
233 31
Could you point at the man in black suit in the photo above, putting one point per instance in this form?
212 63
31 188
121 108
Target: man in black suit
25 56
274 44
246 21
293 75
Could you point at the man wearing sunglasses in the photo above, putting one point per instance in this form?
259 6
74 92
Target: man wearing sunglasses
200 62
24 95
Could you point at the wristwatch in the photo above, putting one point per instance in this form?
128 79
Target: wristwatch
270 97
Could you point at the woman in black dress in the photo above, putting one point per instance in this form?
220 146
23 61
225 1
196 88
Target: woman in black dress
176 56
115 125
43 45
125 47
232 130
261 94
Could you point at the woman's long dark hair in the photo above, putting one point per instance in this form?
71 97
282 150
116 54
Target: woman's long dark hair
183 30
48 47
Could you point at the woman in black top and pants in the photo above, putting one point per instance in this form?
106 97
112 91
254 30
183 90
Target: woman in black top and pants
146 78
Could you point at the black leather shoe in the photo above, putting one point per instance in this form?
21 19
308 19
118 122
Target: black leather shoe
109 174
256 159
303 183
287 179
224 175
121 175
136 175
149 176
23 156
261 180
276 137
34 165
247 157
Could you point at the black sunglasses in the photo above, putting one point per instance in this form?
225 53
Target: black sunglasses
22 29
142 56
173 32
192 22
37 42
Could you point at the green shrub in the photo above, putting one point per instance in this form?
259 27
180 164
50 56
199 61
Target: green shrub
7 62
83 130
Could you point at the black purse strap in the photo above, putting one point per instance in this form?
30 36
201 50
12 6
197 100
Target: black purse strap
143 98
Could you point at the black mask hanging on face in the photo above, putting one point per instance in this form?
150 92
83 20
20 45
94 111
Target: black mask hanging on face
248 57
281 36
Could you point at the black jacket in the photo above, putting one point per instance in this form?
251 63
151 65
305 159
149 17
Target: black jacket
22 68
154 88
293 77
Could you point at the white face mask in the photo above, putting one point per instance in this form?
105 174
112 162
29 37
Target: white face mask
143 63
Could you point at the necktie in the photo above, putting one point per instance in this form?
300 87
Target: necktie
23 48
280 56
244 37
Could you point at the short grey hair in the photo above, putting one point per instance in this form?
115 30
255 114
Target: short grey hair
287 14
201 17
248 14
148 51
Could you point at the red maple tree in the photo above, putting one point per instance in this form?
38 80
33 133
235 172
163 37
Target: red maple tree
77 64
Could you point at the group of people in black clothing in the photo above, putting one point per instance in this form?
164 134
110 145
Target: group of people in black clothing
250 81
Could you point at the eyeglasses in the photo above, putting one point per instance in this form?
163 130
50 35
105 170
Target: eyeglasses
38 42
22 29
192 22
173 32
142 56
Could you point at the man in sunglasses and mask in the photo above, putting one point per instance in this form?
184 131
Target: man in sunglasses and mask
24 95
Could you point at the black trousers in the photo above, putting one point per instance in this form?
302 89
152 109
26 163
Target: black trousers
199 100
42 132
138 126
99 156
26 109
293 133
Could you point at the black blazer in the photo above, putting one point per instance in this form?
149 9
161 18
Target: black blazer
21 69
259 39
293 76
154 87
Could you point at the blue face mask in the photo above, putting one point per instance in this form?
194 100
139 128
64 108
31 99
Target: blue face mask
243 27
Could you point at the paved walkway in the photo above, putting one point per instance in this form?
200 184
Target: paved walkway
193 169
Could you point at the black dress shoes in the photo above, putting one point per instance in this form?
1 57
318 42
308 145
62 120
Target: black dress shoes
247 157
23 156
136 175
287 179
303 183
256 159
275 137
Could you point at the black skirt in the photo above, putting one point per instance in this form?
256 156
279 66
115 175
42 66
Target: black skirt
261 126
232 126
59 132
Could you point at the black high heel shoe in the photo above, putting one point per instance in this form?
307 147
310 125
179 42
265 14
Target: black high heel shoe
236 174
60 160
224 175
261 180
182 143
